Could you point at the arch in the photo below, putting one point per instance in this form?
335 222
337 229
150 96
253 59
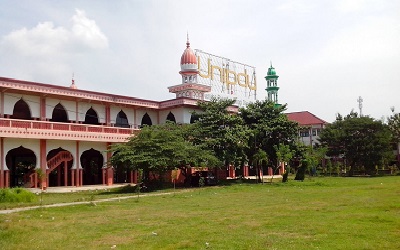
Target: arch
60 174
21 162
21 110
59 114
146 120
92 163
91 117
121 172
171 117
194 118
121 121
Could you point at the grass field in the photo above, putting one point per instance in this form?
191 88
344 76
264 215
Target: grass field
319 213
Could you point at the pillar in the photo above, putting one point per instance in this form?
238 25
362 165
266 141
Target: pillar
108 115
110 176
103 173
270 171
43 164
232 172
245 171
65 173
7 178
42 108
2 105
77 177
2 158
59 176
73 177
134 176
81 177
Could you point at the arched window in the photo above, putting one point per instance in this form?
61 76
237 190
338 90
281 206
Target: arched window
171 117
146 120
122 120
59 114
21 111
91 117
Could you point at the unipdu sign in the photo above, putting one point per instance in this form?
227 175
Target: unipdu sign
228 79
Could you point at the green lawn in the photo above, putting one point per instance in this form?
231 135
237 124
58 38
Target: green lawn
319 213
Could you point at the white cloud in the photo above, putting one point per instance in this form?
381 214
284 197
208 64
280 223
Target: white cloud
46 52
47 40
87 31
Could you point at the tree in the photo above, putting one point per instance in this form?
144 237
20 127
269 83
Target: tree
221 131
259 158
269 127
159 148
284 154
394 126
361 141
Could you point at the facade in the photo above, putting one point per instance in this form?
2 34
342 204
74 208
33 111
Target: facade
65 131
310 125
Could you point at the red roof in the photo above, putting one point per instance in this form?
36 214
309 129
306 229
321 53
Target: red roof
188 56
304 118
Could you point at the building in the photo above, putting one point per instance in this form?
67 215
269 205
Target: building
65 131
310 126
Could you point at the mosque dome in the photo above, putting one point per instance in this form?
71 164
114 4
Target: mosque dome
188 59
271 71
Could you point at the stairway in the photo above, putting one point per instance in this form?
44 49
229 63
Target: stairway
56 160
52 164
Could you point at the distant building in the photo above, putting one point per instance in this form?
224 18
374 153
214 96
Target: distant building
310 126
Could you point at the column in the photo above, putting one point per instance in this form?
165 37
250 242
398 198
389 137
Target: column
43 164
2 156
109 169
108 115
59 176
103 171
232 171
42 108
270 171
134 176
110 176
245 171
65 173
2 106
77 181
7 178
73 177
81 177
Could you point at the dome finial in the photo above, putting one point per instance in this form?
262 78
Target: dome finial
187 40
73 86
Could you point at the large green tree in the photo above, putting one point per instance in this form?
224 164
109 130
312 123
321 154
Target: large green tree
220 130
362 141
159 148
269 127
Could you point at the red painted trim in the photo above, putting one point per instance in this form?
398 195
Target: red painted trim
2 162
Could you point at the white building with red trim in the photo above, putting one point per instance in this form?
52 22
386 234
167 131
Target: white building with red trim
66 131
310 126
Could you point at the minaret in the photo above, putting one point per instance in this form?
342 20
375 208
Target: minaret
272 85
189 88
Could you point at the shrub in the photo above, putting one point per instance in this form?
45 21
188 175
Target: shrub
16 195
301 171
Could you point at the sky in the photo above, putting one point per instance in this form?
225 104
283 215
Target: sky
327 53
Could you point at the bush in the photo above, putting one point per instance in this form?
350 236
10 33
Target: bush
16 195
300 175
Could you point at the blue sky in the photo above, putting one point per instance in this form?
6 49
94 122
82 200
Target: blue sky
327 53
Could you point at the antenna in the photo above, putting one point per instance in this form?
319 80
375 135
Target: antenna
360 106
